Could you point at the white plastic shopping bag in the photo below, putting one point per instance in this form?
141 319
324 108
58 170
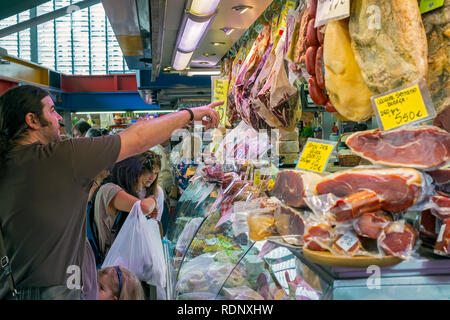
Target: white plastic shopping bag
138 248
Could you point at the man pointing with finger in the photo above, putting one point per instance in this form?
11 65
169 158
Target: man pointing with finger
44 186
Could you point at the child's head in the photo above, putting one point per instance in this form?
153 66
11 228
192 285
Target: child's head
117 283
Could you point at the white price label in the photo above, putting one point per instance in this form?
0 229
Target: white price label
441 234
347 241
330 10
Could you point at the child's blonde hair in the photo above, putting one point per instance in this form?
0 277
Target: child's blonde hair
131 286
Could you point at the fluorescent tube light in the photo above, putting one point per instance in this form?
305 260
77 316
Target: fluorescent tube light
192 33
181 60
99 112
203 72
154 111
204 7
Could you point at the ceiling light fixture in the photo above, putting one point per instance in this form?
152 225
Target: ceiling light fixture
241 9
217 43
227 30
192 34
204 7
205 72
181 60
194 26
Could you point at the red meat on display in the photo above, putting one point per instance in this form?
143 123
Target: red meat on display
420 147
370 225
354 205
398 239
397 188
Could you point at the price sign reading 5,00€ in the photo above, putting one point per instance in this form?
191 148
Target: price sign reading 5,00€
315 155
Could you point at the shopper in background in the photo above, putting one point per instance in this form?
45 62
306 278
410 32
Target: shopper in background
80 129
45 236
165 177
118 283
151 187
115 199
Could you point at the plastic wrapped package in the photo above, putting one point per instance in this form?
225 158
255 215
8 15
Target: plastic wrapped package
399 189
290 224
355 205
440 206
203 274
398 239
241 144
442 246
420 147
441 179
291 186
242 293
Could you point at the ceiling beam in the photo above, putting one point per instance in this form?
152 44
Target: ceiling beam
9 8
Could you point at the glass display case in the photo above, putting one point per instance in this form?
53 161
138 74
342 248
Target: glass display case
210 259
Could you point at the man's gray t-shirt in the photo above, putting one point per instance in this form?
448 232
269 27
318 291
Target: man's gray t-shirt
43 197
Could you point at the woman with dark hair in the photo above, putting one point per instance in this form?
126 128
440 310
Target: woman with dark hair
80 129
115 198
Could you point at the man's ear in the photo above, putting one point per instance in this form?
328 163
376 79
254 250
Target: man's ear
32 121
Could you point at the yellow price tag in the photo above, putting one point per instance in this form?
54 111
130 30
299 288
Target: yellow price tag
282 24
315 155
271 185
190 171
400 107
220 90
257 177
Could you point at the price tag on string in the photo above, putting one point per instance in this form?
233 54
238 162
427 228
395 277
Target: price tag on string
330 10
404 106
428 5
315 155
220 92
257 177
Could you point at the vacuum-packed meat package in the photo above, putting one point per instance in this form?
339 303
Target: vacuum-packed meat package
421 147
291 186
397 188
398 239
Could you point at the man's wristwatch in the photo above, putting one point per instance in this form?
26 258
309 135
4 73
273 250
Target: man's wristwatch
190 112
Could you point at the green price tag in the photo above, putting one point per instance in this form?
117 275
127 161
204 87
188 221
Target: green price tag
428 5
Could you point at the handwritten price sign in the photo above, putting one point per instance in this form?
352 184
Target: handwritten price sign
220 92
402 107
330 10
315 155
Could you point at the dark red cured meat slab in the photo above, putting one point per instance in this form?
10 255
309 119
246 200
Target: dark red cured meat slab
395 193
397 243
319 231
289 222
370 225
289 188
424 147
441 179
354 205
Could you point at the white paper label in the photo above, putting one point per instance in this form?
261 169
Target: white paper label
211 242
330 10
347 241
441 234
